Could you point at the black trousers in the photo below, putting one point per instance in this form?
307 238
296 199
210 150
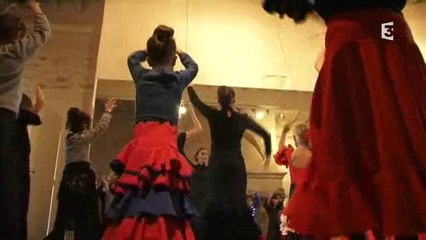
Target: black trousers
24 192
10 186
77 204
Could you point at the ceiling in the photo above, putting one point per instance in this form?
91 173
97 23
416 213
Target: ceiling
234 41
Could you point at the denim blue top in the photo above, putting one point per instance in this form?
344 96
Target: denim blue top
159 90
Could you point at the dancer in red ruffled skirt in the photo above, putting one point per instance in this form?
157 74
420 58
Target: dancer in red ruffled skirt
152 191
368 123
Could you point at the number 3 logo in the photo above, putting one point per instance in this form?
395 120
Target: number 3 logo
388 31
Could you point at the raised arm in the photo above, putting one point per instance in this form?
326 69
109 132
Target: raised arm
29 118
28 45
198 104
89 135
134 63
259 130
196 128
191 68
39 103
267 204
181 146
99 128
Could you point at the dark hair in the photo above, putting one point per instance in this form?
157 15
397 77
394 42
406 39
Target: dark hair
277 195
197 152
10 26
26 102
76 120
226 97
161 46
297 10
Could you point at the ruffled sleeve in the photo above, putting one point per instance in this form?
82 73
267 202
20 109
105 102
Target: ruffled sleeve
283 156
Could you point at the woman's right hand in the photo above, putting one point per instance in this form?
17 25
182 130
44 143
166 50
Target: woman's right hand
110 105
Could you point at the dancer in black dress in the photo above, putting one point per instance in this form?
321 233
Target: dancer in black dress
199 178
227 215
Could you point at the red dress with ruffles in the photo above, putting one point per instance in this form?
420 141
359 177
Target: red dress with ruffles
368 132
152 189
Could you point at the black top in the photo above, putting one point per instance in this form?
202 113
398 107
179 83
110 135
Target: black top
227 132
159 91
26 118
328 8
273 219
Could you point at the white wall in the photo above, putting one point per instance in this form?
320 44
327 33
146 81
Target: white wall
234 41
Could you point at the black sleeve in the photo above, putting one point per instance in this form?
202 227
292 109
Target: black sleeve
259 130
181 142
203 108
29 118
181 146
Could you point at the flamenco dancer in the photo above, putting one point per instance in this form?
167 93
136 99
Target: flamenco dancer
199 178
152 191
77 196
368 122
227 215
296 160
16 47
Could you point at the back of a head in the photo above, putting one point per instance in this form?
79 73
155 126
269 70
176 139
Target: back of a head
76 120
11 24
26 102
161 46
226 97
301 132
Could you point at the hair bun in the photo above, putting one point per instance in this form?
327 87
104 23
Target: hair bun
163 33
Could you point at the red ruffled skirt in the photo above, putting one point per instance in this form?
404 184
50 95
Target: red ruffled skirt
152 192
368 131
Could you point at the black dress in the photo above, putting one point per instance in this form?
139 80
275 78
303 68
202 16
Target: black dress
25 118
227 215
199 190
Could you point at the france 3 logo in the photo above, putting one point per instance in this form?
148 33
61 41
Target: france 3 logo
388 31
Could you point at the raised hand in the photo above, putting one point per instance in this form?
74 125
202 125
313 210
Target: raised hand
110 105
40 100
34 6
